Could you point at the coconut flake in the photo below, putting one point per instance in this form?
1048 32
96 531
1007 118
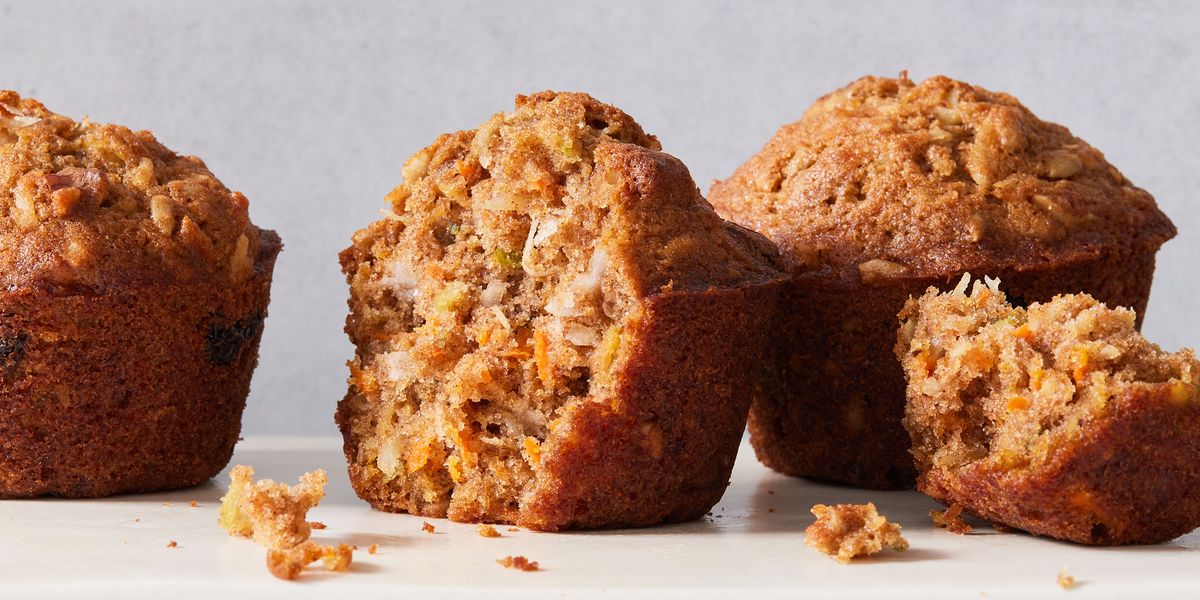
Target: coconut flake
527 252
501 318
580 336
389 457
399 276
993 283
397 365
589 283
961 288
493 293
546 229
498 202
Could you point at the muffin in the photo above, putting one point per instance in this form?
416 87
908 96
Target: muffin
552 328
133 289
1059 419
887 187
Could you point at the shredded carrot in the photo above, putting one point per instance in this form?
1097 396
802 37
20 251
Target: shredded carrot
1018 403
533 449
1023 332
1081 356
541 352
1035 378
484 336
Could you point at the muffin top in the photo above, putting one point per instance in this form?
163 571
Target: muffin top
93 208
888 179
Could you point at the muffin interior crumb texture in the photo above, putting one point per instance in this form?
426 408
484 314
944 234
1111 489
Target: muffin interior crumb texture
845 531
1012 386
273 514
494 296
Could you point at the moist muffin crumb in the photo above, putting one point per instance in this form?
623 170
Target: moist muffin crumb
272 513
1059 419
846 531
552 328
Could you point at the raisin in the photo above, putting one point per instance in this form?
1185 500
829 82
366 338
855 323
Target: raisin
12 350
225 342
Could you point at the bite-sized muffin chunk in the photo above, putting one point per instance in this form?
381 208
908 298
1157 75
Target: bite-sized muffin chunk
1059 419
886 187
553 328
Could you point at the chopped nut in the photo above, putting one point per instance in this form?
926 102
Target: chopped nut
65 200
485 530
519 562
1062 165
878 270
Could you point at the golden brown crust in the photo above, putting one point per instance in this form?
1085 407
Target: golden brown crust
90 208
632 420
939 178
886 187
147 384
1060 420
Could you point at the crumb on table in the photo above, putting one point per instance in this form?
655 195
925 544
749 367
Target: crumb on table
172 544
193 504
272 513
428 527
1065 580
950 519
486 530
288 563
317 525
373 548
519 562
845 531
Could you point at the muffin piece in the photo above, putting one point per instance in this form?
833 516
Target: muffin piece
133 289
886 187
553 328
1059 419
847 531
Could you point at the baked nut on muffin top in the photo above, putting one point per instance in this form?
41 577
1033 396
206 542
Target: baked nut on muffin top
887 178
96 206
133 289
886 187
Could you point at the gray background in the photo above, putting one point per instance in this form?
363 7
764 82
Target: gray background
310 108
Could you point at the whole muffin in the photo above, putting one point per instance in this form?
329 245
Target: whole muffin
553 328
886 187
1059 419
133 289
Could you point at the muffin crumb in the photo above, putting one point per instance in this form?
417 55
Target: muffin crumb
1065 580
845 531
373 548
519 562
317 525
193 504
290 562
272 513
428 527
487 531
172 544
950 519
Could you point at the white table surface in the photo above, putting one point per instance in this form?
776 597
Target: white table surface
117 547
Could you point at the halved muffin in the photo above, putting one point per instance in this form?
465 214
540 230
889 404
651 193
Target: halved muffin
553 328
133 289
1059 419
886 187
